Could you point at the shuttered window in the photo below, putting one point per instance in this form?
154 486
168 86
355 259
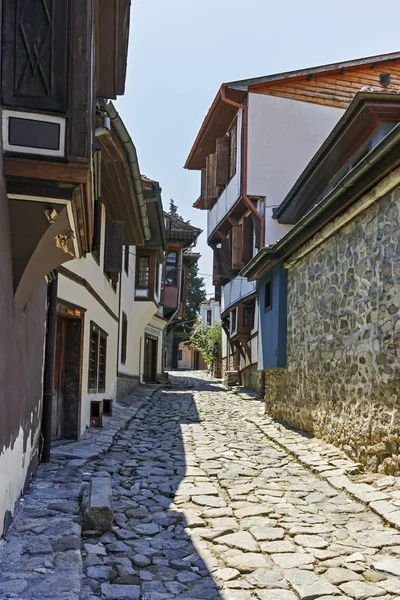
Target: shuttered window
124 337
97 359
96 230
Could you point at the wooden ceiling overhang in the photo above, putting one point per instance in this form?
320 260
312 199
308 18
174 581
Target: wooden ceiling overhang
111 46
118 189
333 85
215 125
367 111
50 217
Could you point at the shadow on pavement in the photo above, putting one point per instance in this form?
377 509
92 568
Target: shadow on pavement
149 555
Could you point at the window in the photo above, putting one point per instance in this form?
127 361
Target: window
143 272
248 316
97 359
124 337
157 282
233 320
179 354
209 317
126 259
171 269
268 295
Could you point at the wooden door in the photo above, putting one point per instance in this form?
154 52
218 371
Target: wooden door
150 359
59 374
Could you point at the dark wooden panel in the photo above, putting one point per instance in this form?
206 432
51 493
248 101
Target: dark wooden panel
237 247
223 152
113 247
35 52
212 191
81 101
248 241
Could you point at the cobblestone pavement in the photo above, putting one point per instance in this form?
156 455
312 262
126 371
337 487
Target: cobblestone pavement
208 507
213 501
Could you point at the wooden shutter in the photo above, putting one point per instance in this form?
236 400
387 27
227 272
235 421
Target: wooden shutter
226 265
217 265
222 168
96 229
257 233
203 193
212 192
248 241
124 337
237 247
233 149
113 247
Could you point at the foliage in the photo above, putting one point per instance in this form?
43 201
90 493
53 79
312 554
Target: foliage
196 292
208 341
173 210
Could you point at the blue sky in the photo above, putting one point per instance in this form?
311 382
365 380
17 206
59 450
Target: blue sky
182 50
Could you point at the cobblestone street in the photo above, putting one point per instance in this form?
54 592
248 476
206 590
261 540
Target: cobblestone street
214 501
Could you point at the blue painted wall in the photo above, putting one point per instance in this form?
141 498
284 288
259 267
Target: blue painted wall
273 323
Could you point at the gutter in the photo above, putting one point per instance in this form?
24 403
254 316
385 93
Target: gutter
245 197
278 249
130 150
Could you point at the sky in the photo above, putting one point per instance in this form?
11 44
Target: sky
182 50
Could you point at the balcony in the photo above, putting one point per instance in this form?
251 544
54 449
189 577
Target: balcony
235 290
224 203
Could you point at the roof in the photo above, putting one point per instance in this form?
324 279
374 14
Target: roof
244 84
221 114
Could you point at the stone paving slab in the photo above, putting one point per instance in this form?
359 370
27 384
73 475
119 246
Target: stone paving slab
40 558
212 501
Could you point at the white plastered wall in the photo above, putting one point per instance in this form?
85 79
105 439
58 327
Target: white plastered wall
283 135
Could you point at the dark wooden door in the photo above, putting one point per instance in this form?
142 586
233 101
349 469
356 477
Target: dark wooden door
150 359
59 373
66 397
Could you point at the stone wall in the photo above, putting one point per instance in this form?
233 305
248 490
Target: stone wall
342 379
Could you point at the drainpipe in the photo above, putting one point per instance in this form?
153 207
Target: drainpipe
248 202
48 378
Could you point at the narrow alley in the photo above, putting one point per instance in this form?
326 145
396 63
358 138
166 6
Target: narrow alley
207 506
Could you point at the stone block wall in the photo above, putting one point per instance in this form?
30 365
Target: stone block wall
342 380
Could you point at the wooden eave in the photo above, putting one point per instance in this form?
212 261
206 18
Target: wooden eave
112 19
364 115
59 180
117 189
216 124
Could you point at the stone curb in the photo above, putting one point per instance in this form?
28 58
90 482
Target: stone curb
41 554
333 469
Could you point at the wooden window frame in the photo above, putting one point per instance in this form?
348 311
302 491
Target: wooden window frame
269 284
248 310
180 354
124 338
97 373
139 283
174 265
233 322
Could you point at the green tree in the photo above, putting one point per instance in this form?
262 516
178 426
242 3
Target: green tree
173 210
196 292
208 341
